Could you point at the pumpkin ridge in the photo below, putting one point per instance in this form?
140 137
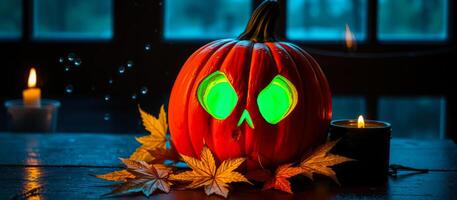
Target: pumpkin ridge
243 98
258 135
325 88
324 83
193 91
281 139
315 69
180 78
191 85
272 156
246 128
304 99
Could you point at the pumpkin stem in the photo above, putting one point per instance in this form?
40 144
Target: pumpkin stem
262 25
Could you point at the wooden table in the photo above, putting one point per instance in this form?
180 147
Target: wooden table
58 166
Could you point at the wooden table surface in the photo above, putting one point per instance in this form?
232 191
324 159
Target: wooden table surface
59 166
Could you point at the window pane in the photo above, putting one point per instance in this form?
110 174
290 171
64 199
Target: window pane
419 117
412 19
345 107
205 19
325 19
10 19
69 19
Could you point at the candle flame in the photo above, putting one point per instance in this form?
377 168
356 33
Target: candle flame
32 78
350 39
360 122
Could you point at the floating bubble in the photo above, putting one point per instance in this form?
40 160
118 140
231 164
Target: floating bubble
77 62
110 81
107 98
106 116
67 68
121 69
71 56
69 89
160 3
144 90
61 60
147 47
134 96
129 64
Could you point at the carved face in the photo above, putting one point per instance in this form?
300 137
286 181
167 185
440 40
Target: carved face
269 102
218 97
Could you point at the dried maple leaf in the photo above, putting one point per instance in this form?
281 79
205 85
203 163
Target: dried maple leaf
321 160
120 175
279 180
147 178
205 174
157 138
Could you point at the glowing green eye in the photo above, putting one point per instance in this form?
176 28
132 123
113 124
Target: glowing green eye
277 100
217 96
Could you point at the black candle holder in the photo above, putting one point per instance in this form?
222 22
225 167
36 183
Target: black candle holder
369 146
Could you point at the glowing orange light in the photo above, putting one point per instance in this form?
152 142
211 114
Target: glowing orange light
32 174
360 122
350 39
32 78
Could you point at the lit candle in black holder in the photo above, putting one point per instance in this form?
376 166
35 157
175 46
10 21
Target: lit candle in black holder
366 141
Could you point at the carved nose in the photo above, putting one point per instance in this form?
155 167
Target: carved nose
246 117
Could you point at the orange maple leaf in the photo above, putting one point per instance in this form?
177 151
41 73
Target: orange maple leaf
279 180
157 138
320 161
205 174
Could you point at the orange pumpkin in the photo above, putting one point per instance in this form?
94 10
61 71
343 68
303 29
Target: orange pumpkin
253 97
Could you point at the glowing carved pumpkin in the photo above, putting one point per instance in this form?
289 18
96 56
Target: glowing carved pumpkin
252 97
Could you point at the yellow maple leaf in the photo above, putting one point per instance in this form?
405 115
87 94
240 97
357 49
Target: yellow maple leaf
321 160
157 138
205 173
120 175
157 128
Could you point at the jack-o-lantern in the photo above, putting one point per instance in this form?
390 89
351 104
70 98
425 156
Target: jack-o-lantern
253 97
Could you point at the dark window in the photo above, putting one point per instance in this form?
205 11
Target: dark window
412 19
205 19
326 19
67 19
414 117
409 20
10 19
